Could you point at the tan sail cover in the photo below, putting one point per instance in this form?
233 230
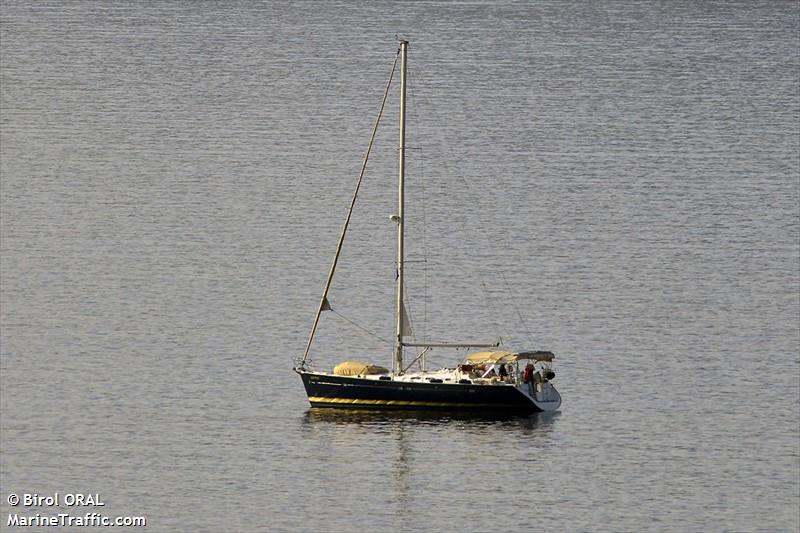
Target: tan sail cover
355 368
478 358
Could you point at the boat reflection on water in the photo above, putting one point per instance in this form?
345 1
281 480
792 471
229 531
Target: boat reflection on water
410 453
369 417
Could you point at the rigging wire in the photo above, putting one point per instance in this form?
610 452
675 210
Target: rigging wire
362 328
470 189
516 307
422 179
427 81
323 303
489 298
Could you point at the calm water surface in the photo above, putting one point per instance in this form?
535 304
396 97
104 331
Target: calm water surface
618 182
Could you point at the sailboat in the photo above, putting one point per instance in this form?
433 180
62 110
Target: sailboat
488 381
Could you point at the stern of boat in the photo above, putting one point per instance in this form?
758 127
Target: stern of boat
543 395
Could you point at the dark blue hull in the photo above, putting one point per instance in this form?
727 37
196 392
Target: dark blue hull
326 390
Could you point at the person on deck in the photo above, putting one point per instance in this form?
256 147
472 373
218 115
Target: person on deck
502 372
527 374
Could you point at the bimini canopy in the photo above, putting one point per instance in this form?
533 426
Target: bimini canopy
481 358
355 368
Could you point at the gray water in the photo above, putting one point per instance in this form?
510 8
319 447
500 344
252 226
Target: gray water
618 182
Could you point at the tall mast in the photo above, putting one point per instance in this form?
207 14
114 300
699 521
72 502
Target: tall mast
399 313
